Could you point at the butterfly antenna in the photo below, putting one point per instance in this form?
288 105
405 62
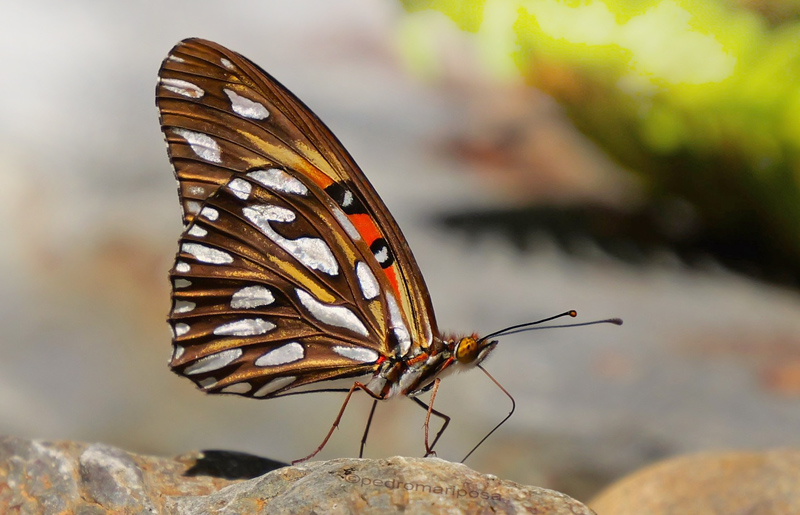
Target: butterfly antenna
530 326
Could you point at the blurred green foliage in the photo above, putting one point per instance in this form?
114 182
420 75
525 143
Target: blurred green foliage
700 99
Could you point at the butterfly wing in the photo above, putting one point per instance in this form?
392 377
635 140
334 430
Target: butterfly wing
271 292
229 127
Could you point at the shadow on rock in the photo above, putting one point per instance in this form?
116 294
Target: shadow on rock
232 465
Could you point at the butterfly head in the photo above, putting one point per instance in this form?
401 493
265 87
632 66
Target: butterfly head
471 350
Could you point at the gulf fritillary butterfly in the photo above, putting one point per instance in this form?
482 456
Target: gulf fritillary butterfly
291 271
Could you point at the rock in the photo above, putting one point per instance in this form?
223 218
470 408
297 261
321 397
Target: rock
712 483
66 477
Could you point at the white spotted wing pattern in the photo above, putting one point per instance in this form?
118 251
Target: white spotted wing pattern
290 270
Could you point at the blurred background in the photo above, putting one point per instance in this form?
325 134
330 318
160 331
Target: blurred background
631 159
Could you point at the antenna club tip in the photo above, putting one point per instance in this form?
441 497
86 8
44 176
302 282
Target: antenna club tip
574 313
616 321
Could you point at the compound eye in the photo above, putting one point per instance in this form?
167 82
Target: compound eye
467 350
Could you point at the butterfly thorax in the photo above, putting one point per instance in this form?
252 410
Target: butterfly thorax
413 375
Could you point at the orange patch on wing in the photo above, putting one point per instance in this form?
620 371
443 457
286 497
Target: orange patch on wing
366 227
320 178
369 231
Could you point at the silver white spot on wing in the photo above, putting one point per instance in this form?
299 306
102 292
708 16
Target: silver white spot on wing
213 362
382 255
209 213
366 280
207 254
347 198
356 353
397 324
252 297
208 382
197 231
182 87
202 145
175 58
178 352
243 106
279 180
183 306
227 64
182 267
179 282
346 224
245 327
274 385
237 388
192 207
195 190
338 316
180 329
240 187
284 354
312 252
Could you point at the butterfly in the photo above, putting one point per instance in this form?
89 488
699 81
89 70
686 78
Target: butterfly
291 272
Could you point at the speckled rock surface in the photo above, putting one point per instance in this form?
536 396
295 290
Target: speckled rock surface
66 477
718 483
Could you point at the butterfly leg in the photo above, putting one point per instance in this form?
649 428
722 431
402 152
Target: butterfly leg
429 408
356 386
366 429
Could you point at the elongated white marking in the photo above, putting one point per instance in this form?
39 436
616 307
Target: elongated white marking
202 145
175 58
246 107
312 252
183 306
208 382
197 231
245 327
182 87
181 283
240 187
348 226
178 352
366 280
279 180
274 385
181 329
356 353
207 254
284 354
237 388
227 64
182 267
397 324
338 316
209 213
192 207
252 297
213 362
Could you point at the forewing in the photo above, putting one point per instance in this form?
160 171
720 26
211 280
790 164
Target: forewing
223 116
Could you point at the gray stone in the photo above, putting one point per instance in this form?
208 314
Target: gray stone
91 479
